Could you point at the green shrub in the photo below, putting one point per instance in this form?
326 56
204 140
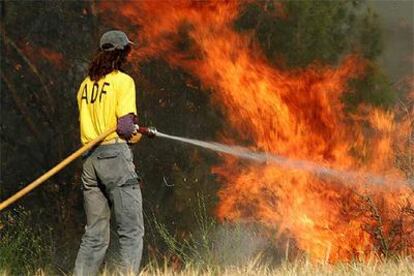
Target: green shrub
24 247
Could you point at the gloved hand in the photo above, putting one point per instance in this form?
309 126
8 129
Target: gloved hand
125 126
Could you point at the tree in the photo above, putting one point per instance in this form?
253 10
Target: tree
295 34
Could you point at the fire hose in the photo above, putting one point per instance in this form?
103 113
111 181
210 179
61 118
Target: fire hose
148 131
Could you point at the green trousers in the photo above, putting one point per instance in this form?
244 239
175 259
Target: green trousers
109 181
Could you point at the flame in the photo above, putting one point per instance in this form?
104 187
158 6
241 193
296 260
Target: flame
297 114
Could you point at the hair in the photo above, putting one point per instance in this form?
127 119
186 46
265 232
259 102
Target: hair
104 62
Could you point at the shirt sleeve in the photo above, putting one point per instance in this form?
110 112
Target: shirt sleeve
126 98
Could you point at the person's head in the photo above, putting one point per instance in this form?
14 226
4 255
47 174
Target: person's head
114 48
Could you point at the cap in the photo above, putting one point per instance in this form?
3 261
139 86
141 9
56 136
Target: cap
114 40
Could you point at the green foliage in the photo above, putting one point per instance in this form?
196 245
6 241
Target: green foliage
369 36
373 88
297 33
24 247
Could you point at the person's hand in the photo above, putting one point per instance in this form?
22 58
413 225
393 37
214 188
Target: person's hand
135 138
126 127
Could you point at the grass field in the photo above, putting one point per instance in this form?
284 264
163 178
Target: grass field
401 266
25 254
213 249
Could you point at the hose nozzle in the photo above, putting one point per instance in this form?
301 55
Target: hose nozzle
147 131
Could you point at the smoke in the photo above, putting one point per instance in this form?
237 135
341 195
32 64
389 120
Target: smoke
238 244
397 23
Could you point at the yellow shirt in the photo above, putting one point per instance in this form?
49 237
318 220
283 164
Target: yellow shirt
101 103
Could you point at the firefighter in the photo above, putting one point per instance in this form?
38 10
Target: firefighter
109 181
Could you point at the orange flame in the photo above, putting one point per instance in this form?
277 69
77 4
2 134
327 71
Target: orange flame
298 114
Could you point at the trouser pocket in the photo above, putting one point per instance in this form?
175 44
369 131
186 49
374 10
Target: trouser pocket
105 155
127 206
130 196
114 166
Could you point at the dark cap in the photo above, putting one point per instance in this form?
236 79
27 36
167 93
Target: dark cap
114 40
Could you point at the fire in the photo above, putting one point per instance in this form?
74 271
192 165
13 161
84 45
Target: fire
297 114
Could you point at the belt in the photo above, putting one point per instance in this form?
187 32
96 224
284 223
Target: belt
114 141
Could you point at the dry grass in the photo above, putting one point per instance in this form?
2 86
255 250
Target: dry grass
400 266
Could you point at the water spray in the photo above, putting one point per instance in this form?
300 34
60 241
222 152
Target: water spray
288 163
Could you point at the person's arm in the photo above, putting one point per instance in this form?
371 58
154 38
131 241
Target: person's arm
125 87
